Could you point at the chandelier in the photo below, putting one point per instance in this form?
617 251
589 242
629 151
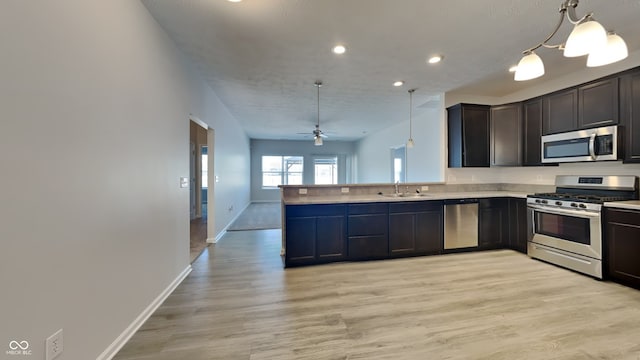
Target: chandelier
588 37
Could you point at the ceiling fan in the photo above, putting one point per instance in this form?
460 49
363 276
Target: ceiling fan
318 135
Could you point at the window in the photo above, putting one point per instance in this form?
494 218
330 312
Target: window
325 170
398 164
281 170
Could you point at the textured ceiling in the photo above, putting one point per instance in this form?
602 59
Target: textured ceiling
262 57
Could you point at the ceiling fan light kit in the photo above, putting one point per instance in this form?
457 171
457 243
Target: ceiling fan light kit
588 37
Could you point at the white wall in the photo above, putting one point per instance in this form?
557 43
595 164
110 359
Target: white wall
94 136
425 161
343 149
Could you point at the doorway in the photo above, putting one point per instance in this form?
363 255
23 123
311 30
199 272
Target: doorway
199 186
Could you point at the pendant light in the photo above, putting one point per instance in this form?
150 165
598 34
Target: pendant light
410 141
588 37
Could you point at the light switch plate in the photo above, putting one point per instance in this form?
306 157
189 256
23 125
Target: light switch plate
184 182
302 191
344 190
424 188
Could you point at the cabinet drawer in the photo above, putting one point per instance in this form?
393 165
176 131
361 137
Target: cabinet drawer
314 210
369 208
365 247
415 206
630 217
376 224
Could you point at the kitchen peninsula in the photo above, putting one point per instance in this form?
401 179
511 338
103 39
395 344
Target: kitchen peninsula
329 223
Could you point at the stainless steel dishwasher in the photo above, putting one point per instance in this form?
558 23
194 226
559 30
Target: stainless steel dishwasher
460 223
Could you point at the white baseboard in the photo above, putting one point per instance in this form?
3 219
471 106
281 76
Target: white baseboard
121 340
224 231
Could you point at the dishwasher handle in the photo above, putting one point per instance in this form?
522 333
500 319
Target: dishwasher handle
460 201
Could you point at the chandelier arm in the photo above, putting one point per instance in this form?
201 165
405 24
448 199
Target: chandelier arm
571 12
557 46
563 10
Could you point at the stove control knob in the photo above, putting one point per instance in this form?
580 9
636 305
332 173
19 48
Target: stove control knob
583 206
543 201
559 203
574 205
538 201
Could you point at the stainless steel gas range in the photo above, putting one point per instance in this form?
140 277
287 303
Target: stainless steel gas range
565 227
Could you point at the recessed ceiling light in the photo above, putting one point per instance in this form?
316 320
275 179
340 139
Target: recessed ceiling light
339 49
435 59
234 0
398 83
513 68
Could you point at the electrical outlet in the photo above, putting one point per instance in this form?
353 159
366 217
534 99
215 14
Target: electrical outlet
54 345
425 188
344 190
302 191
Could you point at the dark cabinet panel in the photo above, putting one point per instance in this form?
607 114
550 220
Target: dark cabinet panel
493 222
623 246
630 115
415 228
429 232
301 240
598 103
518 225
506 135
330 241
314 234
532 124
368 247
560 111
374 224
368 230
402 233
468 135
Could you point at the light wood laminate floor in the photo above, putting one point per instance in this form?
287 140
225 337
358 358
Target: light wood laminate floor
239 303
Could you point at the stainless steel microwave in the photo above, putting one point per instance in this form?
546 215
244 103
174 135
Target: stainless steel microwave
582 145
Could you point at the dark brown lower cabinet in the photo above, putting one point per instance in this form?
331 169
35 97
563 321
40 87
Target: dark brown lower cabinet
368 231
415 228
622 246
518 225
493 220
314 234
322 233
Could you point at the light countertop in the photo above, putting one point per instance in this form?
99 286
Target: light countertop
631 204
426 196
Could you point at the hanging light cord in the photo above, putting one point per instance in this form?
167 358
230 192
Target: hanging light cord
410 111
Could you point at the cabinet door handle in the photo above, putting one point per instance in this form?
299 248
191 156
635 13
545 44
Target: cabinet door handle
592 146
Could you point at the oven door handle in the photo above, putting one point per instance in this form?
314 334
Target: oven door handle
576 213
592 146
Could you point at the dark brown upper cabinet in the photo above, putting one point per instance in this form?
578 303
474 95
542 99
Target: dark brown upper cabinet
506 135
560 111
630 114
598 103
532 126
468 135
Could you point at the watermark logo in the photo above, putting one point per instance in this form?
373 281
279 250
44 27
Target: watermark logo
18 348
